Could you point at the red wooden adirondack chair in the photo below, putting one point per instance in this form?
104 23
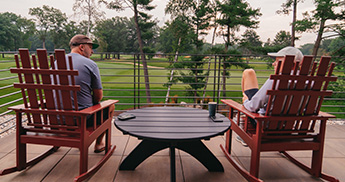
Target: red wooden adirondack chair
289 124
50 121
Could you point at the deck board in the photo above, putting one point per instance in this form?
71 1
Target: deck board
64 164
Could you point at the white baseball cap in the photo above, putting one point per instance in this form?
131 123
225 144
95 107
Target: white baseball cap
289 50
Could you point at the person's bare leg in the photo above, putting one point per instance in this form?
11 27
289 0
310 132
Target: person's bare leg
99 141
249 80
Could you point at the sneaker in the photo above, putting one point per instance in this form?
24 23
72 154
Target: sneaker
239 139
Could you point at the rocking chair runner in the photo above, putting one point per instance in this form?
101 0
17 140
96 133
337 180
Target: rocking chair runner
51 119
293 110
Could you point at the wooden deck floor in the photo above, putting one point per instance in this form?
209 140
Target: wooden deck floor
63 165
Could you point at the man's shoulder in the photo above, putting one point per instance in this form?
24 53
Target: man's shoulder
78 57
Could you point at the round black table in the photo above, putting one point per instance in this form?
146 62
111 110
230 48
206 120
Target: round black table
172 127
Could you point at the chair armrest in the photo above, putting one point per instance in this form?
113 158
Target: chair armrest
98 107
87 111
326 115
17 107
237 106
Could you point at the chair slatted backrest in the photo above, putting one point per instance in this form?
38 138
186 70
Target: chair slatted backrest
44 87
297 94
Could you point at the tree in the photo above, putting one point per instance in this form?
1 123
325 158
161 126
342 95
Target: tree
47 18
307 49
176 38
149 32
57 33
337 49
15 31
198 13
137 6
250 41
194 77
113 33
282 39
70 29
89 8
316 20
286 9
235 13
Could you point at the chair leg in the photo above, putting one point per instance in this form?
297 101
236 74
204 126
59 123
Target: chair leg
83 161
96 167
316 163
21 155
255 162
228 140
20 159
107 140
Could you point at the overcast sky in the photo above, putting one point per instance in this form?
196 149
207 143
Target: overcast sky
270 22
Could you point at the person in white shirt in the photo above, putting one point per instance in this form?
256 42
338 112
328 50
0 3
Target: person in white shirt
255 99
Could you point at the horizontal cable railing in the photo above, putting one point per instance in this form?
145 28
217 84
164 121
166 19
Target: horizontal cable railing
123 79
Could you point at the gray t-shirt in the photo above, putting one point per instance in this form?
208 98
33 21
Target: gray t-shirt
89 78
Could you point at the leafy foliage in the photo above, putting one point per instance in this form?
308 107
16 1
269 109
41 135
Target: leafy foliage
316 20
197 13
235 13
15 31
49 20
195 77
176 35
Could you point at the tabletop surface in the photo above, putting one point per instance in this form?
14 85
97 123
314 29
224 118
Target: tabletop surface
172 123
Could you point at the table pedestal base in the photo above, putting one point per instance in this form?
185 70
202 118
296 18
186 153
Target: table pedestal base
197 149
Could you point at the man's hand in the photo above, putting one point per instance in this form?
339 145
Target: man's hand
244 98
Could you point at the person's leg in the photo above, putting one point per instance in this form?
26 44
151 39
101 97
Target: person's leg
250 86
249 80
99 141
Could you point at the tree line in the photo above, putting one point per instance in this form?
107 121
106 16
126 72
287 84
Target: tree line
190 21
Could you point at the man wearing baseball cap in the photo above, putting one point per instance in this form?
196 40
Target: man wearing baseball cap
89 80
255 99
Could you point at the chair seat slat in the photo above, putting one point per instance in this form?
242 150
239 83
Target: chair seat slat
57 126
37 130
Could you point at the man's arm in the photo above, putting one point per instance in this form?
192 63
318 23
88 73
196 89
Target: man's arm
97 95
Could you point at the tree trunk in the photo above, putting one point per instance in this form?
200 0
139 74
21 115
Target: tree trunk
172 71
44 43
319 38
293 35
146 73
89 21
209 61
228 39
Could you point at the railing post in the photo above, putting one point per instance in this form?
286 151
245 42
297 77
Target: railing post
138 58
214 78
134 81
